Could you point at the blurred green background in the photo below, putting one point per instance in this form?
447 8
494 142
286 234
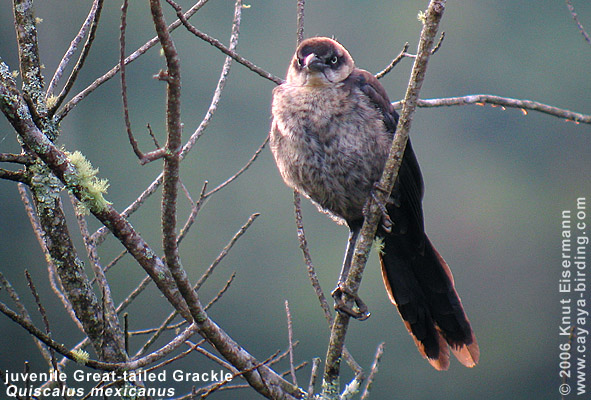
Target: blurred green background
496 182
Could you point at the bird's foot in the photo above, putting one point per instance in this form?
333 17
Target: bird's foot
358 311
387 223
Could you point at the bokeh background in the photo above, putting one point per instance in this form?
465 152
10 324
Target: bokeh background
496 182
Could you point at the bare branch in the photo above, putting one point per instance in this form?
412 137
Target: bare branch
290 343
225 251
111 73
24 313
373 371
523 105
216 43
16 176
23 158
403 53
38 231
221 292
571 8
219 87
240 171
313 377
73 47
80 63
314 278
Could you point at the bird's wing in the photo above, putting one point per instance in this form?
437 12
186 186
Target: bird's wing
408 191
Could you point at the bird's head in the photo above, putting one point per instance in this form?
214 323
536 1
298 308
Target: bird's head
319 61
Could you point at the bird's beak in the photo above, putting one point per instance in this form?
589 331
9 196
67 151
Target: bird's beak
313 63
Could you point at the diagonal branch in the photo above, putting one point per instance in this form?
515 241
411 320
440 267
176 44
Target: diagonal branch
330 386
90 19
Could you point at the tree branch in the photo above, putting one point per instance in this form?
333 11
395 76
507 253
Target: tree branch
330 386
523 105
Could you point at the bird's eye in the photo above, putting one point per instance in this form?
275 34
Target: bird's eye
299 61
334 60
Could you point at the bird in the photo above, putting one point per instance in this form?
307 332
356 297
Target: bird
331 132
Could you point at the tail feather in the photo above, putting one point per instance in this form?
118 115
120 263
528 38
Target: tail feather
421 286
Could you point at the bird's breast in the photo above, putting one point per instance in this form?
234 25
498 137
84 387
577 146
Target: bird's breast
330 144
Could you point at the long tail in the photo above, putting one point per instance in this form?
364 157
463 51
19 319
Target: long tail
422 288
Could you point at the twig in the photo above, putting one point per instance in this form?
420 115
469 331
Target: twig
80 63
523 105
314 278
172 76
73 46
221 292
220 85
24 313
216 43
132 57
403 53
23 158
43 313
313 377
123 26
240 171
225 251
290 342
373 371
15 176
571 8
330 389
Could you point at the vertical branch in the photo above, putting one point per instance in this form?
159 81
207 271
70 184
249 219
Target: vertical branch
28 51
172 76
330 386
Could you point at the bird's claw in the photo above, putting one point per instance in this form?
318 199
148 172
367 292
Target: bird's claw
387 223
359 311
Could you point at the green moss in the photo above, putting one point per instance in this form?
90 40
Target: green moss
81 356
93 188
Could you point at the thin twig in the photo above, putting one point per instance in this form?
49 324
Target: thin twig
44 318
221 292
314 278
225 251
313 377
24 313
80 63
290 342
219 88
15 176
23 158
373 371
571 8
240 171
72 49
216 43
113 71
403 53
523 105
122 28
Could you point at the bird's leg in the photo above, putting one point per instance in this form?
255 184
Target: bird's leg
341 305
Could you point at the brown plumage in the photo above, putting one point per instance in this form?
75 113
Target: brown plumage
332 129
